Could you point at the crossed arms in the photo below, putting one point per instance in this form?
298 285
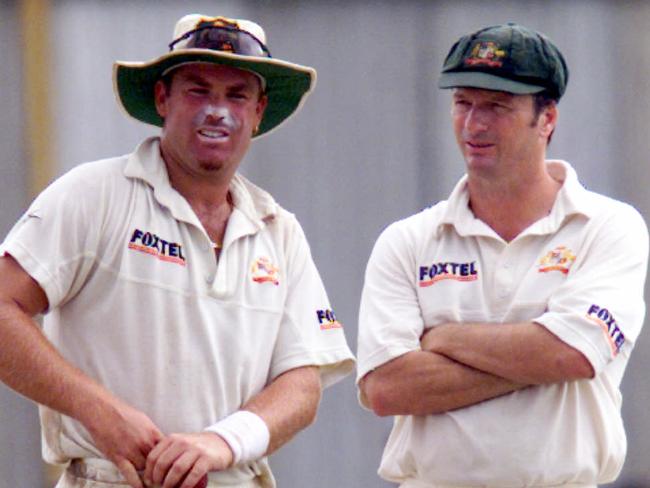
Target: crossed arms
459 364
462 364
33 367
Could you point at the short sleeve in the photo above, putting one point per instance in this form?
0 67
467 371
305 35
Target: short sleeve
599 310
310 333
390 317
55 241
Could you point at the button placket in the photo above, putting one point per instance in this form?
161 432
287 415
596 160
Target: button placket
208 260
220 281
221 285
504 275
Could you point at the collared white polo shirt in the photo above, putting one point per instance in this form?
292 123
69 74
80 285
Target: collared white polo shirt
138 301
579 272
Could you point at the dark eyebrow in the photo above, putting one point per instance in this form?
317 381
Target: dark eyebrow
201 81
194 78
241 87
503 97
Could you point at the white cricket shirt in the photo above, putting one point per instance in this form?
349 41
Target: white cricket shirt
139 302
579 272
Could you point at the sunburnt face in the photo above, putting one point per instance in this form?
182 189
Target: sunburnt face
210 114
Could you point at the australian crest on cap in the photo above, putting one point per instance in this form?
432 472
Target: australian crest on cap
486 53
225 46
217 22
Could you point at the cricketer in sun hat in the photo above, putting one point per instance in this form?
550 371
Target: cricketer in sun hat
506 57
237 43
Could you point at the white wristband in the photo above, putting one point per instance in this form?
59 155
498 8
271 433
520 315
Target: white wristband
246 434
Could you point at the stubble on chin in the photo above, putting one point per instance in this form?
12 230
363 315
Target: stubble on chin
210 166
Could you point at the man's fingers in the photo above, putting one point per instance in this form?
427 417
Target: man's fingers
164 464
193 480
180 468
193 473
152 460
151 442
129 472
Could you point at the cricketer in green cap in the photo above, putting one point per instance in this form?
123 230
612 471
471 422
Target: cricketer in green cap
507 57
487 320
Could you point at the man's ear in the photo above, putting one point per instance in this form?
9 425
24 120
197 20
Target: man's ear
549 119
261 107
160 98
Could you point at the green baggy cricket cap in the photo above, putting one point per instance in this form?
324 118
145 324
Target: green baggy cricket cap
506 57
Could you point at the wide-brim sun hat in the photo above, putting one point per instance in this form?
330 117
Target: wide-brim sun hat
236 43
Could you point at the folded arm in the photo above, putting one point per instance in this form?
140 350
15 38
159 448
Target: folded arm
423 383
524 352
462 364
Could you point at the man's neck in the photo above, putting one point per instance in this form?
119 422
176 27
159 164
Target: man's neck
202 191
509 206
202 195
208 196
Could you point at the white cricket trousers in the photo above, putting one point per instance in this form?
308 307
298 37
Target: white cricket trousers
100 473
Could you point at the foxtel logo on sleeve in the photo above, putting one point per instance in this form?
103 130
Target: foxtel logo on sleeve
327 320
606 320
153 245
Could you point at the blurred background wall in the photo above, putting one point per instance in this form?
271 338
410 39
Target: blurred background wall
19 430
372 145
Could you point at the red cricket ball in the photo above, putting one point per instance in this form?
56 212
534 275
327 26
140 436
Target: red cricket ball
203 482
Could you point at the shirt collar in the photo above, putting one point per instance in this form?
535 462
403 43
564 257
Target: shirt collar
572 199
146 164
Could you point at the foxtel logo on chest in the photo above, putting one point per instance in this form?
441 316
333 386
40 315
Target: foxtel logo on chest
428 275
153 245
